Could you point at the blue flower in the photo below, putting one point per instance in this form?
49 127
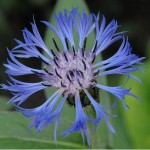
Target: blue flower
72 71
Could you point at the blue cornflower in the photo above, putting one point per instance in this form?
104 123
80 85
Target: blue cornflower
72 71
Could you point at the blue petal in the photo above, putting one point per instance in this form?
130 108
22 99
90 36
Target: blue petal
118 91
64 27
99 112
36 39
15 68
120 63
34 111
84 27
28 49
80 123
22 90
105 35
44 117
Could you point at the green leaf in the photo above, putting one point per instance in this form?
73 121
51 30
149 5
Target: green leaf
3 103
14 134
137 117
122 139
23 143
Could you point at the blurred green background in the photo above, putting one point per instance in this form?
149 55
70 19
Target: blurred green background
132 15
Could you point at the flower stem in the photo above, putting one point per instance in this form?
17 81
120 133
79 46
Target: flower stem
100 137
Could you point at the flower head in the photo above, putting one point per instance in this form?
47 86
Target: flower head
72 71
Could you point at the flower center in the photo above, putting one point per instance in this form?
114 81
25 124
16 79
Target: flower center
72 71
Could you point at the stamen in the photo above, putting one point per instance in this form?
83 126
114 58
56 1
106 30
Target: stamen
84 46
65 56
74 52
69 78
62 84
47 71
79 83
71 73
53 53
46 84
95 47
55 44
56 62
96 73
82 52
80 73
66 40
58 74
38 73
93 59
84 64
43 60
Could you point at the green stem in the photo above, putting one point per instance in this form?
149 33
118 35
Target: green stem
100 137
